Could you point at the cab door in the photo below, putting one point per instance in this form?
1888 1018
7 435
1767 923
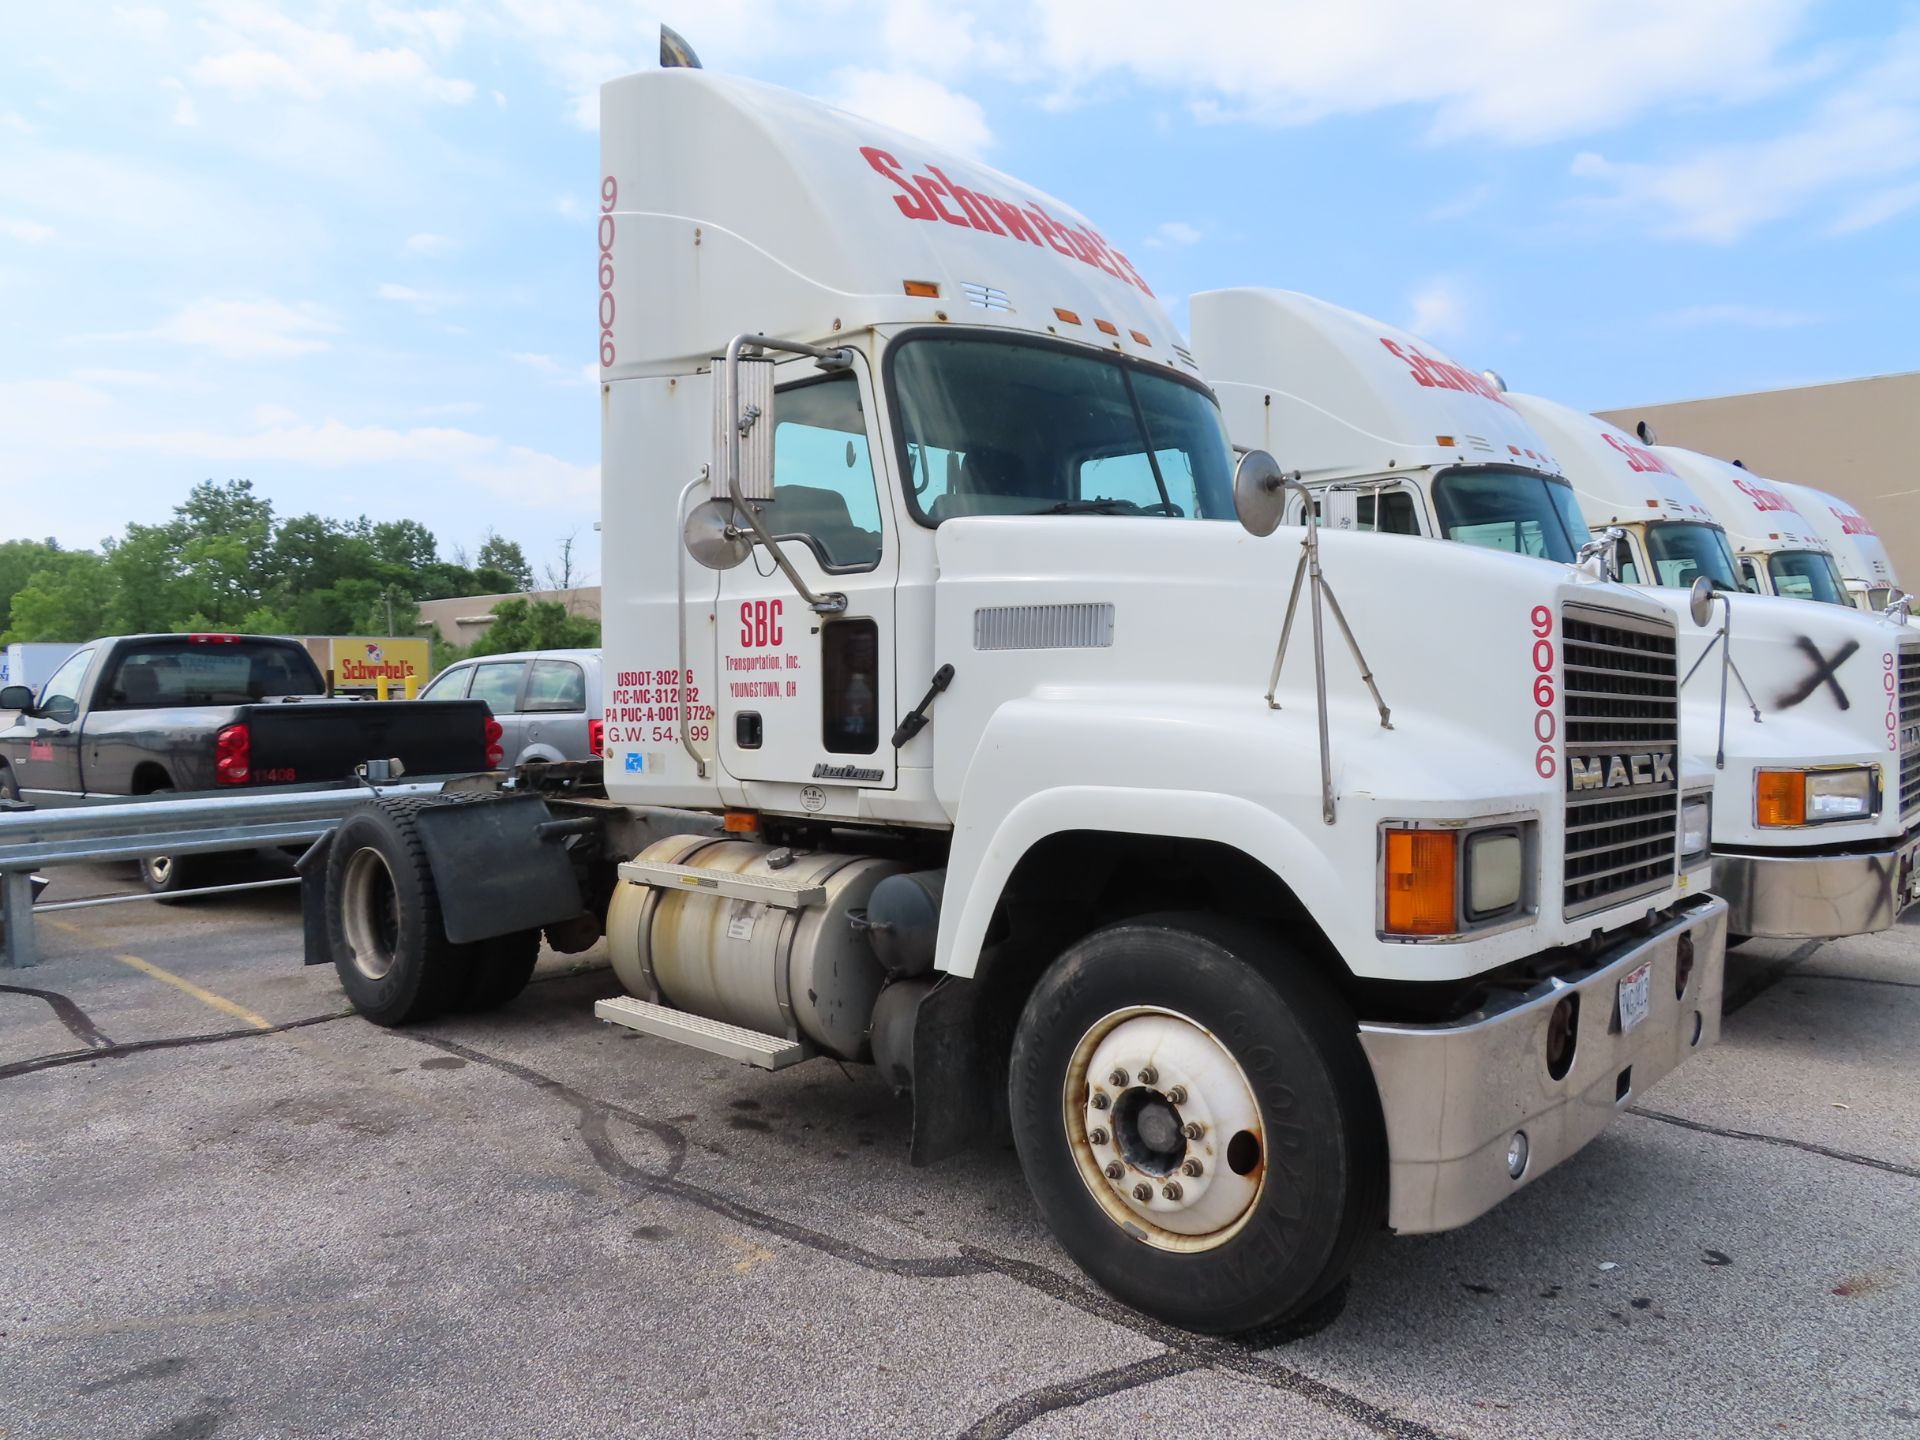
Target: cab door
800 697
44 749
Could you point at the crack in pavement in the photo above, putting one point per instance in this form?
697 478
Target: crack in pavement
1194 1351
170 1042
69 1013
1846 1156
1021 1411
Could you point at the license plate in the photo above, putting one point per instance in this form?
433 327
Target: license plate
1636 997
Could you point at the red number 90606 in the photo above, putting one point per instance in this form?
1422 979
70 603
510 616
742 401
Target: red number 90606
1545 725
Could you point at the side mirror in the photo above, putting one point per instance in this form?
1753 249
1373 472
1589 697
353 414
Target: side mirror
750 418
712 538
1339 510
16 697
1259 492
1700 600
1604 548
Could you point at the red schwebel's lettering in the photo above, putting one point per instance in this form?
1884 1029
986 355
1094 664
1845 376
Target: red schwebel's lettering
1439 375
1763 497
936 196
1640 460
1852 522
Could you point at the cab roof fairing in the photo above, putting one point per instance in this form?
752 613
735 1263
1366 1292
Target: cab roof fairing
1758 516
1857 547
737 207
1618 480
1352 396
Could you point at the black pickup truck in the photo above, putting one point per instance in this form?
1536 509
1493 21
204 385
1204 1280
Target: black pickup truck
139 714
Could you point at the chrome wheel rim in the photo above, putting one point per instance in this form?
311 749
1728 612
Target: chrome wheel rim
370 910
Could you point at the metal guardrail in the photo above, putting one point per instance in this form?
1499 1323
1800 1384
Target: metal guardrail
135 828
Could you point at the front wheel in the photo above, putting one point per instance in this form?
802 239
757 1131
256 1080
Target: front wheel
1198 1123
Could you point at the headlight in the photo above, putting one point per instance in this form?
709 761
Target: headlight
1447 882
1495 872
1784 798
1696 827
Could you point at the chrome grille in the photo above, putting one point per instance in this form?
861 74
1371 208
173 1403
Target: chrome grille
1620 693
1909 730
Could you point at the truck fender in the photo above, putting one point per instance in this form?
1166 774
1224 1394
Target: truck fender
981 862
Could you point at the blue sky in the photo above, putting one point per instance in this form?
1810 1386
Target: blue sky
344 249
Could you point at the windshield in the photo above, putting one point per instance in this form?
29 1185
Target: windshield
1514 510
207 672
1880 596
1806 575
1683 550
1006 427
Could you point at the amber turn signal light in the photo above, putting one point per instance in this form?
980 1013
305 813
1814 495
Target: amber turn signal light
1421 871
1780 797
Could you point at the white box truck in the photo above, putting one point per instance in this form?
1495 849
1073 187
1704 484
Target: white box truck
950 727
1813 730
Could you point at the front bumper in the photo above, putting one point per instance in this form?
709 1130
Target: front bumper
1790 897
1453 1095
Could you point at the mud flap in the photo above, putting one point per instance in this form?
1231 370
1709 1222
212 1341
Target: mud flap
312 870
952 1086
498 867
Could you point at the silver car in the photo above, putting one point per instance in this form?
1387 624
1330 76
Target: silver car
547 701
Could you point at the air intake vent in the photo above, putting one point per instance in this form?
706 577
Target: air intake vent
1184 356
985 297
1043 627
1621 699
1909 730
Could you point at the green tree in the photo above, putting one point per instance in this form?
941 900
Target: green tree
504 557
71 598
19 559
534 625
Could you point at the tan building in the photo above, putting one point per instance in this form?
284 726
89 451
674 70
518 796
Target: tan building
460 620
1859 439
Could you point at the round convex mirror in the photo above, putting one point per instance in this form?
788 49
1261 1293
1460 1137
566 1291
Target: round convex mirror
1700 600
711 537
1259 492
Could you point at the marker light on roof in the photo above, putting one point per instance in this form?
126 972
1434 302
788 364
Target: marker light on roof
1066 315
1106 327
926 289
1445 442
1139 338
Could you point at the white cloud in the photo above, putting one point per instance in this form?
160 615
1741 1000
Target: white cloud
545 364
242 329
258 51
1517 74
1748 317
452 407
1862 135
13 120
1175 233
440 28
30 232
915 104
1461 205
1439 310
419 299
166 382
429 245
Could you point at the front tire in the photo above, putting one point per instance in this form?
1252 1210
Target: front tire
1198 1123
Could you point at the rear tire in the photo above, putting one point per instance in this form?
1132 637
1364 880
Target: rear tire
1243 1044
497 970
9 787
384 927
167 875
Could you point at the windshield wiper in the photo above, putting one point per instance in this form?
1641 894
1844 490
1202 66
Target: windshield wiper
1101 506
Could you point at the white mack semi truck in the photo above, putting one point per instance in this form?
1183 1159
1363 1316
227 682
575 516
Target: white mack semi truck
1811 734
1779 551
969 716
1866 567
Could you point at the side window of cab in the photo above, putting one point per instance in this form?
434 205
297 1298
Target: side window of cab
823 486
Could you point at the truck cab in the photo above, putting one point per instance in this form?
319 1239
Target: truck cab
971 713
1866 567
1778 550
1812 830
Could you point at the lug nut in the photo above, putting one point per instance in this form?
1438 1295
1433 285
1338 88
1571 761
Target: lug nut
1171 1190
1118 1079
1191 1167
1097 1136
1115 1170
1177 1095
1100 1101
1143 1192
1193 1130
1149 1075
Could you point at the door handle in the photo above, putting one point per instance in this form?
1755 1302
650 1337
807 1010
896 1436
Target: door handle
59 734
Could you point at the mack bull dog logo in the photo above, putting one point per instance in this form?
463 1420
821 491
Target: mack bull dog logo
1619 772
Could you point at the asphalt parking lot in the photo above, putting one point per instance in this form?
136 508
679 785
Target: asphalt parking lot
229 1208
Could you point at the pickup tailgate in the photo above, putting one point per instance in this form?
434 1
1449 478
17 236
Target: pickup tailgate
307 741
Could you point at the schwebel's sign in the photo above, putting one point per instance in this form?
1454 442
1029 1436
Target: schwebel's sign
925 197
362 660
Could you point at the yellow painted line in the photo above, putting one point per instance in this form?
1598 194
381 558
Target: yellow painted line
204 996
